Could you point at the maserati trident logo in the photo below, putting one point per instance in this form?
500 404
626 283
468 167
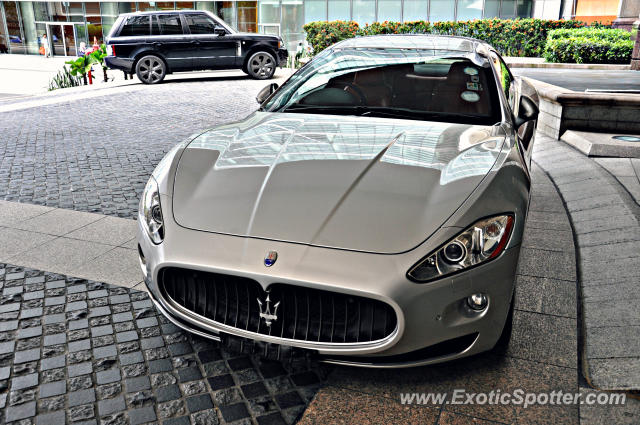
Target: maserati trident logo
266 312
270 259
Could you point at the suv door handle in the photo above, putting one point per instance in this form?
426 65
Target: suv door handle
157 44
196 42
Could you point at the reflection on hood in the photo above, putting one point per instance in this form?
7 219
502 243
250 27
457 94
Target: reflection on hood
266 139
361 183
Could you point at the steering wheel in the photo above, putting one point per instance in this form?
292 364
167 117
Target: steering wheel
351 89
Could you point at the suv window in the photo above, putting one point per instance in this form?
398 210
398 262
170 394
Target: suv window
201 24
136 25
170 24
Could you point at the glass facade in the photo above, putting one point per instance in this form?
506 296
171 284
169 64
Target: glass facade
72 25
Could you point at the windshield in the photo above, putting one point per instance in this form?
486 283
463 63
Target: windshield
395 83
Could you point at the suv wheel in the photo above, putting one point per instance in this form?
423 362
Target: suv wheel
151 69
261 65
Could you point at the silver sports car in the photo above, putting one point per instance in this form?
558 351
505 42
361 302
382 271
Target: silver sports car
369 213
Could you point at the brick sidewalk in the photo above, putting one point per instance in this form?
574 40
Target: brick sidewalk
96 153
80 351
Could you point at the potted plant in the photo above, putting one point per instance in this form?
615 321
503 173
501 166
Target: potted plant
98 57
81 67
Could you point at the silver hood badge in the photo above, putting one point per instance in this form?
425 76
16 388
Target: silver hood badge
266 313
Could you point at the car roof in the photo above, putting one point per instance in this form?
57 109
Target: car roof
163 12
415 41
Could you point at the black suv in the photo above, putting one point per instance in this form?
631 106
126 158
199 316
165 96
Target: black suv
154 44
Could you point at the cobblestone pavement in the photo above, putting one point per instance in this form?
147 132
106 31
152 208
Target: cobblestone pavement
83 352
96 154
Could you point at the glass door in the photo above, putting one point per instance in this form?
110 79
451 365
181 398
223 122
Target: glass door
56 40
63 39
69 39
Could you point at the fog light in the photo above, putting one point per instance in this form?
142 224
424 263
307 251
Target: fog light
477 301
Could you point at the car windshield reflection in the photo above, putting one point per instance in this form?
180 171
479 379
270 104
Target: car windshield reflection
415 84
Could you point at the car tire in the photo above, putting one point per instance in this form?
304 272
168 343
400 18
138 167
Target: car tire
151 69
261 65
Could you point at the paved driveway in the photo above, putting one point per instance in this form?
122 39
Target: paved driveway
96 154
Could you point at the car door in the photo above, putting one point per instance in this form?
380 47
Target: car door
209 49
170 40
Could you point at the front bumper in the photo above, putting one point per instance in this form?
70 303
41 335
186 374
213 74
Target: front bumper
427 314
283 54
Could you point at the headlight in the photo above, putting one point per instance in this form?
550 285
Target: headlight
151 212
482 242
280 43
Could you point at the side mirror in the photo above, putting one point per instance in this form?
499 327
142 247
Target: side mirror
266 92
527 111
220 31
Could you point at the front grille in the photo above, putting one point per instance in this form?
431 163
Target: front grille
303 314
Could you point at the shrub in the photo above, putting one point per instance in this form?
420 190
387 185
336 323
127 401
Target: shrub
589 45
590 32
323 34
63 80
518 37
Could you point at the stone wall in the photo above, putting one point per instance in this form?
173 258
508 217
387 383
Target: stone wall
562 109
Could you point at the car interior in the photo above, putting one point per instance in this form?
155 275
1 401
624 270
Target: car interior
447 87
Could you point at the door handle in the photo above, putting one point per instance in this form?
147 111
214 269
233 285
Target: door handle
196 42
157 44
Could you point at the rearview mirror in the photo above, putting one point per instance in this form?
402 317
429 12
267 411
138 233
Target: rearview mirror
266 92
527 111
220 31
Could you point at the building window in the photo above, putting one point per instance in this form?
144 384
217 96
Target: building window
165 5
185 5
292 23
469 9
339 10
248 16
226 11
523 8
315 10
415 10
145 6
491 8
109 14
16 42
508 9
94 23
389 10
364 11
442 10
4 39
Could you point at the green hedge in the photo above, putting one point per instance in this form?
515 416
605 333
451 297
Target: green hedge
519 37
591 32
589 45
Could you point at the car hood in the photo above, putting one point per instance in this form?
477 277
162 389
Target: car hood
360 183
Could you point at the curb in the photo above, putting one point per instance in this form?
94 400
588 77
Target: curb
605 221
592 66
603 145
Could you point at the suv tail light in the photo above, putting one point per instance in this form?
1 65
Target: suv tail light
111 50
